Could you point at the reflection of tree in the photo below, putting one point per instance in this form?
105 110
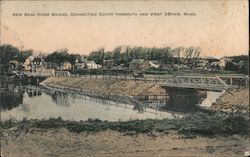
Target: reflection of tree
60 98
33 93
10 99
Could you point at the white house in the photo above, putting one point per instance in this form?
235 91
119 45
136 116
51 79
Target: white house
91 65
223 61
67 66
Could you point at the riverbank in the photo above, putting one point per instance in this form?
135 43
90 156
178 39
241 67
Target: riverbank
117 87
63 143
200 134
235 100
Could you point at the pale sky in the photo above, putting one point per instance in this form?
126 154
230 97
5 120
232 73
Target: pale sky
219 28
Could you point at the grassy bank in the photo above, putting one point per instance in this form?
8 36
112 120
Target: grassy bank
206 124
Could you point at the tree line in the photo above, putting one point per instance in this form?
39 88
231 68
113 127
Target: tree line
124 54
120 55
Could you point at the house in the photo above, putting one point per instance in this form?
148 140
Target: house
139 64
108 64
27 64
202 63
37 61
92 65
80 63
37 64
67 66
223 61
215 66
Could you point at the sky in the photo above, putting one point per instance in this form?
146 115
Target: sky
219 27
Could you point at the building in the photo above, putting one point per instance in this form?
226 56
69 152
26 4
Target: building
223 61
139 64
108 64
215 66
203 63
67 66
27 64
37 64
81 63
92 65
37 61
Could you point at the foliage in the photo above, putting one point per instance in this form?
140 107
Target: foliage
243 60
206 124
124 54
9 52
61 56
230 66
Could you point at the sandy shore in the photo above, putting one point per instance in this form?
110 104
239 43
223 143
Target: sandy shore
54 142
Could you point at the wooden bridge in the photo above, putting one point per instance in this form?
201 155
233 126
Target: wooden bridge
215 83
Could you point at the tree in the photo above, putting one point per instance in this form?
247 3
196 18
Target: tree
23 55
117 54
97 56
8 53
196 55
230 66
58 56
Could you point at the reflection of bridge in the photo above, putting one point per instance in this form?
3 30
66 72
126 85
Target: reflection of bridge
207 82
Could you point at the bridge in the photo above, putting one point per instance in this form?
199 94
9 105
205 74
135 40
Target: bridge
215 83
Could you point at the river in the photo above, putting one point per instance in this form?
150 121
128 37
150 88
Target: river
41 105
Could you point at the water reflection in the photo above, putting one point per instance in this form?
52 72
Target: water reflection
61 98
32 93
40 105
202 106
10 97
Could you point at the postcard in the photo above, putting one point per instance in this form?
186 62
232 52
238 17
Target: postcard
124 78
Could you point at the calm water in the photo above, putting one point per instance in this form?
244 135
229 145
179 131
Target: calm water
37 105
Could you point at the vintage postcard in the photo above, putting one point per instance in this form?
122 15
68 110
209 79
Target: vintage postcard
124 78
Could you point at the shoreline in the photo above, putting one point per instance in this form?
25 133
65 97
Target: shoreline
137 137
61 142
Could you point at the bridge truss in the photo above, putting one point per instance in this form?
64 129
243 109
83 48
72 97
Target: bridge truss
206 82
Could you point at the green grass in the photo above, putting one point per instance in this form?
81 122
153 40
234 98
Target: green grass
206 124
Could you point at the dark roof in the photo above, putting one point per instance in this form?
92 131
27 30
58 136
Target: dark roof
37 59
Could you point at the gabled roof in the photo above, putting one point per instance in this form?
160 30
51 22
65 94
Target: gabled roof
37 59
